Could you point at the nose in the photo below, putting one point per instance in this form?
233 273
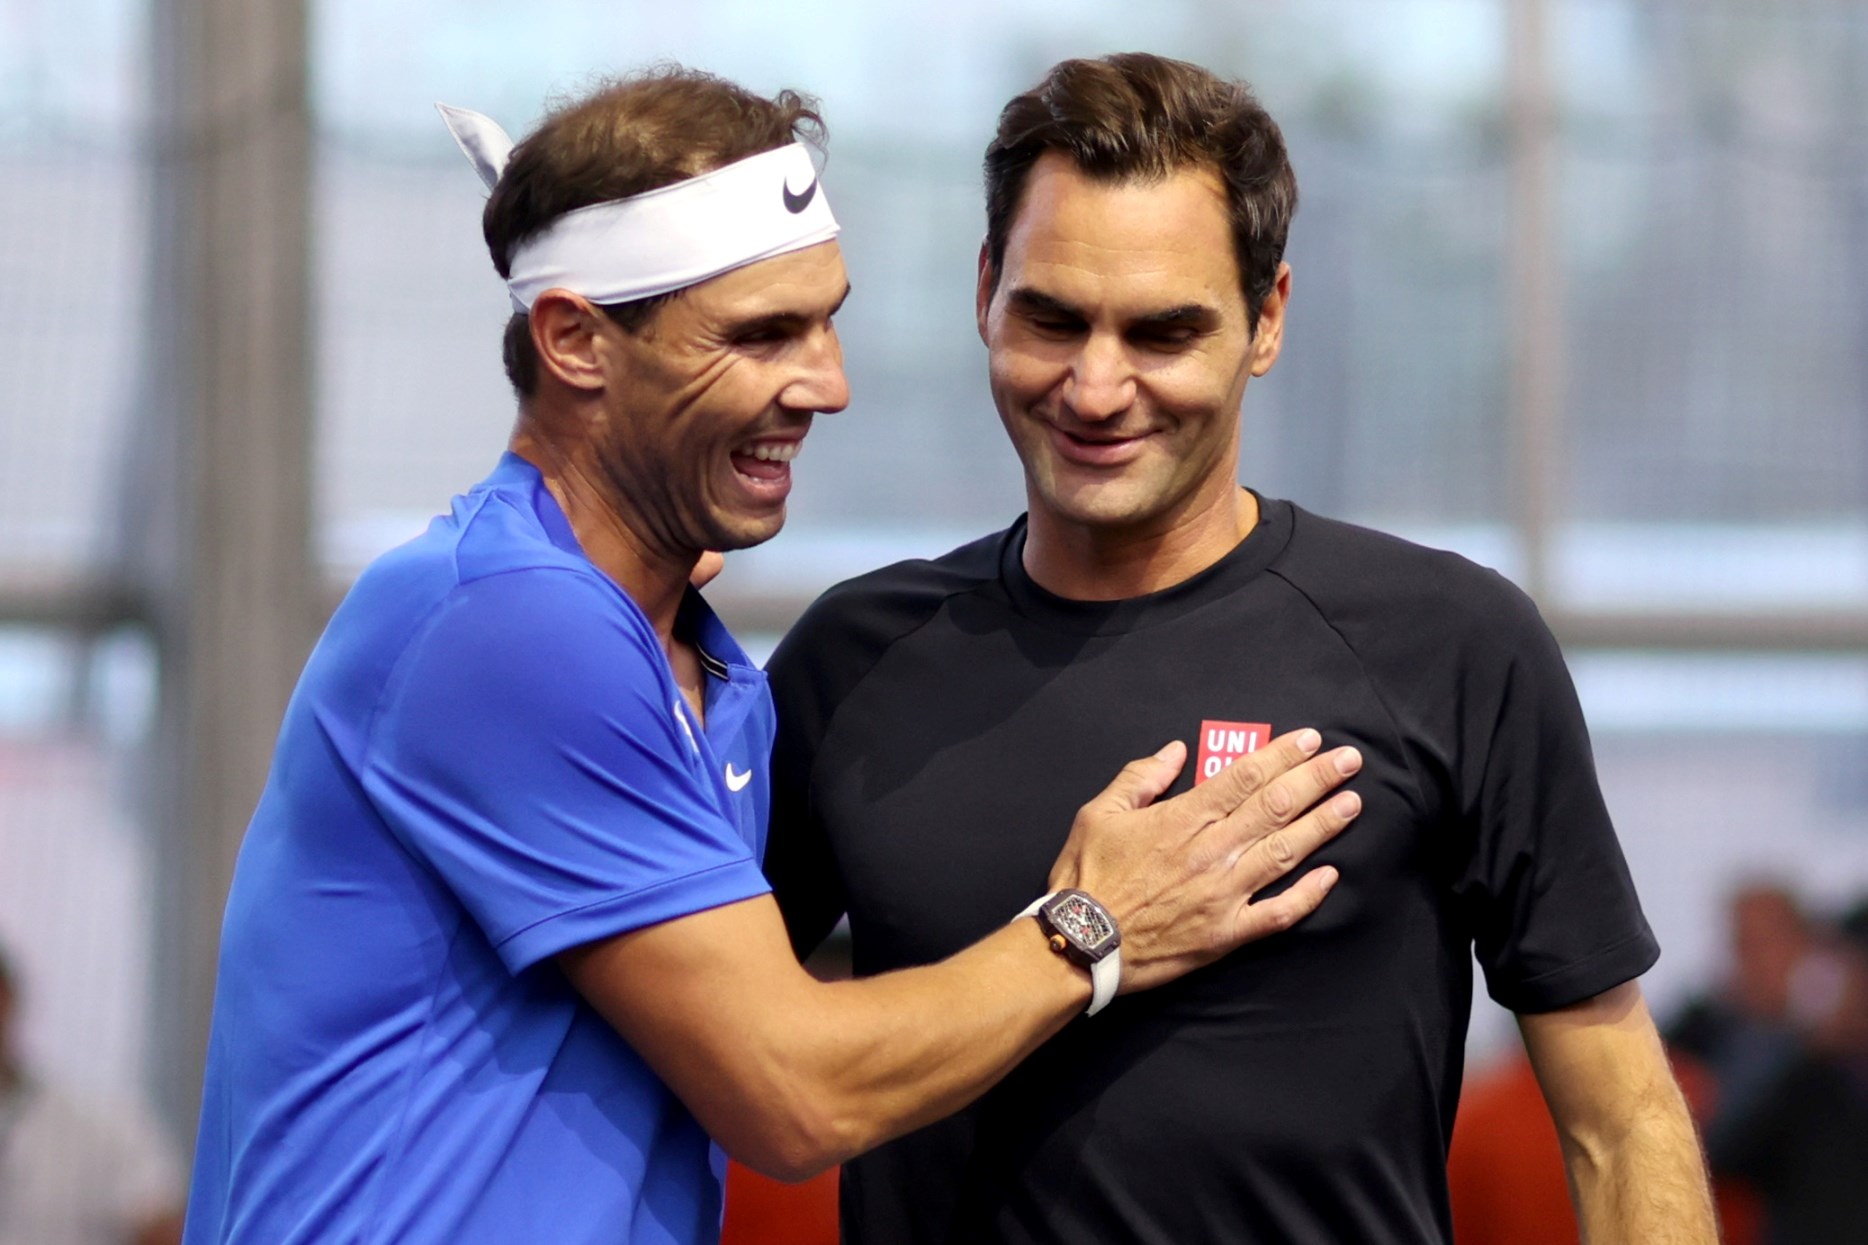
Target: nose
1101 383
820 384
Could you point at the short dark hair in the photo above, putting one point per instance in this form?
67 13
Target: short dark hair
627 137
1137 116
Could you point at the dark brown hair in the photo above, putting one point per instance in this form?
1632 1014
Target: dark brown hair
1136 116
629 136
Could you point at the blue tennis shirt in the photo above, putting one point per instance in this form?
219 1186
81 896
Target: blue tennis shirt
486 762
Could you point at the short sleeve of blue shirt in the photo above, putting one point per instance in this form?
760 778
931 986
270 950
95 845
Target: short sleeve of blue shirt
530 749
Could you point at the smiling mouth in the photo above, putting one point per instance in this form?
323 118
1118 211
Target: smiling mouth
767 460
1096 451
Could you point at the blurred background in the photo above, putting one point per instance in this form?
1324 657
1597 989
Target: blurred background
1581 290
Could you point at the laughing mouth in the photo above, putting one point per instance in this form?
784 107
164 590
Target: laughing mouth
768 463
773 451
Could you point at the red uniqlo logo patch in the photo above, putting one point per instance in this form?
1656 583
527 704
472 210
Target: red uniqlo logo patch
1222 743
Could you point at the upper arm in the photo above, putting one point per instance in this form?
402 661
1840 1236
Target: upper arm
1543 882
829 653
526 750
799 860
802 870
1600 1062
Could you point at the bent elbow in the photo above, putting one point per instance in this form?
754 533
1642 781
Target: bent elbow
793 1145
789 1167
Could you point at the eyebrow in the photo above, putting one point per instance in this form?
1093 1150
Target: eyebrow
1031 301
1026 299
1195 314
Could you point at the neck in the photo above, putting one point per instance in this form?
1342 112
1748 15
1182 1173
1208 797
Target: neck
1083 562
614 540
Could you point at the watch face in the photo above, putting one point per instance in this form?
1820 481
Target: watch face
1082 920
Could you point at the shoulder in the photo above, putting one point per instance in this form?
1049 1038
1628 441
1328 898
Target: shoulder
488 535
1364 581
477 599
546 627
485 617
850 626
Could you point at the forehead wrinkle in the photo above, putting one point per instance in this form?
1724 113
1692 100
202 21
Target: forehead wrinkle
1107 257
1174 228
1150 304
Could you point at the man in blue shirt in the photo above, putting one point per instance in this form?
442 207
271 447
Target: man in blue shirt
499 963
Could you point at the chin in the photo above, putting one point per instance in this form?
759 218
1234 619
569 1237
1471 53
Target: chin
1104 507
746 532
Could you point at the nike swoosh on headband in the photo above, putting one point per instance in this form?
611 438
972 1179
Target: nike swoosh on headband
796 202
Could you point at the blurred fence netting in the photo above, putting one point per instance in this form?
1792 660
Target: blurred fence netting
1705 551
76 675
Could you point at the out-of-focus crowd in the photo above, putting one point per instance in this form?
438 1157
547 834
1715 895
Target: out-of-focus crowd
74 1170
1774 1063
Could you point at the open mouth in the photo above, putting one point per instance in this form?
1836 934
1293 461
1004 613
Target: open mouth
767 460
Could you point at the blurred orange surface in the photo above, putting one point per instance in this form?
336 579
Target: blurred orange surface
763 1211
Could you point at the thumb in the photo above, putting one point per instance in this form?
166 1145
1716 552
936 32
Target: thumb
1141 781
710 564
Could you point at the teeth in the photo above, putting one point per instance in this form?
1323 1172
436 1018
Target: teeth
775 451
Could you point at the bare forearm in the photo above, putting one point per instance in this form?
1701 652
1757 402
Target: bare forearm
1646 1186
885 1055
792 1075
1636 1172
809 1072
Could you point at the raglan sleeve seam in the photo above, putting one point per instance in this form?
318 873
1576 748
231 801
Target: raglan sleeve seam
418 635
882 650
1418 788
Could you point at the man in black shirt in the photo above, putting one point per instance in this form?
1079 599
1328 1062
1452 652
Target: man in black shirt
1302 1089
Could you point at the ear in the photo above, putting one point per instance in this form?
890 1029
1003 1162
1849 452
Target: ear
567 333
1268 338
982 293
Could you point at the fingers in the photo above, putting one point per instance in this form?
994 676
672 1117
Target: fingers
1183 890
1270 857
1239 781
1141 781
1289 793
1280 912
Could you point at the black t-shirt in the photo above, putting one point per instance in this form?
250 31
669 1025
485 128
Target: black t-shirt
939 725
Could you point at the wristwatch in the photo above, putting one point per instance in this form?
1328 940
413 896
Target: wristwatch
1082 931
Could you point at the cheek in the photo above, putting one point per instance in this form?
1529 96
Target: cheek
1195 392
715 412
1022 370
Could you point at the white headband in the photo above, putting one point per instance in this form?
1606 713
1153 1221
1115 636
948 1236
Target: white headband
664 239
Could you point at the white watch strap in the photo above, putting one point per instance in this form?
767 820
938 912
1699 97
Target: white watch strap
1105 974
